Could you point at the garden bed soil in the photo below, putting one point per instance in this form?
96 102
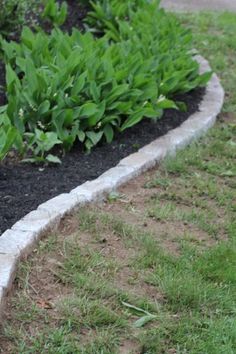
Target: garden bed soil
23 187
76 13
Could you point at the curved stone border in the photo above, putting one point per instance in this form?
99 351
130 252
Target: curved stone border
17 242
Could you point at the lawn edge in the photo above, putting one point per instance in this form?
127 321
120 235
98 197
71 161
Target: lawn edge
19 241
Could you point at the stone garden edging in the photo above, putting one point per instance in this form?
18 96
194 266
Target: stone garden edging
17 242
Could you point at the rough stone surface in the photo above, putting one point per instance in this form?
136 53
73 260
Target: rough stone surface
60 205
7 270
198 5
214 101
198 127
180 137
118 175
139 161
98 187
82 193
159 148
36 221
204 64
17 243
1 295
2 300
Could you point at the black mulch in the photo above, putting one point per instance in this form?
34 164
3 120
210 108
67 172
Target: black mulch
23 187
76 14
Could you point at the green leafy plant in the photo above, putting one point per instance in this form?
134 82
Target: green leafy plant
54 12
145 316
9 135
44 142
105 15
83 88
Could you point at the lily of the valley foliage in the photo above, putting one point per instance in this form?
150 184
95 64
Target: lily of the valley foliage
62 88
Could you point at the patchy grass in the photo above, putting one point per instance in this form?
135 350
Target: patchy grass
215 39
151 270
161 251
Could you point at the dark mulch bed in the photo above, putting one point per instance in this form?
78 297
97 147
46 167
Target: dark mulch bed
76 13
23 187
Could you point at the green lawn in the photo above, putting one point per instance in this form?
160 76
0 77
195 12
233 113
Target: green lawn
214 36
153 270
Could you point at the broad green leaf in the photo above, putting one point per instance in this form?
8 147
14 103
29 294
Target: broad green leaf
95 91
44 107
31 76
88 109
164 103
7 139
12 79
108 132
81 136
94 137
116 92
144 320
133 119
53 159
135 308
